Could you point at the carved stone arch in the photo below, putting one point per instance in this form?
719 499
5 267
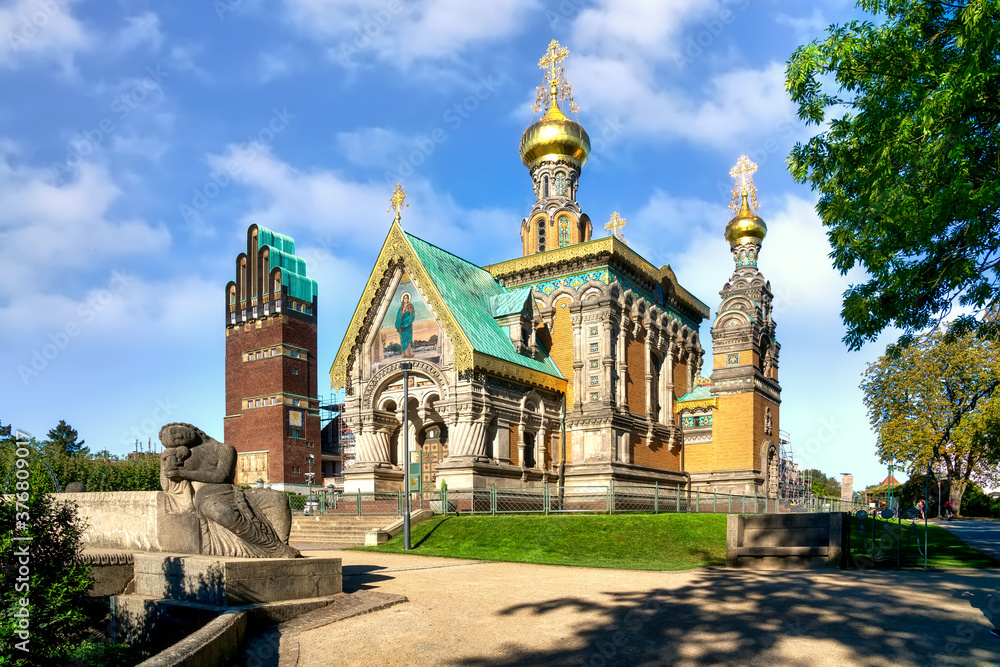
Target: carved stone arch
428 397
592 287
392 371
639 308
739 302
561 292
732 318
626 300
614 291
383 402
741 284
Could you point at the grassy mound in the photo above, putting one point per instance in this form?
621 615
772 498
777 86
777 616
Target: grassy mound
634 542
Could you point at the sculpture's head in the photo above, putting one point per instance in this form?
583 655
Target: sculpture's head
178 434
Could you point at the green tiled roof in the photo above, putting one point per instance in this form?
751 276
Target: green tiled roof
699 394
293 268
468 291
510 302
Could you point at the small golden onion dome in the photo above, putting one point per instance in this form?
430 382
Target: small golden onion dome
555 137
746 226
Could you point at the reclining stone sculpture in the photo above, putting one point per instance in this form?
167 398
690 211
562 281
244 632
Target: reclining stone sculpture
204 512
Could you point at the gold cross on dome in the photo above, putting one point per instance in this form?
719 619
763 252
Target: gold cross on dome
743 173
396 201
615 225
554 86
554 54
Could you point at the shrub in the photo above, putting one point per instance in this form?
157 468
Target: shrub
59 612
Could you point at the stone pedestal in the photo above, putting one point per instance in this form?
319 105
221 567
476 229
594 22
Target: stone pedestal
235 581
471 473
368 478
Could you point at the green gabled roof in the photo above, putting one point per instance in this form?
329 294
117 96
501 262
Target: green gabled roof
468 292
293 268
509 303
699 394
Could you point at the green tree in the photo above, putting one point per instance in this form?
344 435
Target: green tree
938 400
824 486
908 169
64 438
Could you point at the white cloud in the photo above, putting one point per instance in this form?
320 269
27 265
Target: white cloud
142 31
271 66
37 31
331 205
403 32
56 233
372 146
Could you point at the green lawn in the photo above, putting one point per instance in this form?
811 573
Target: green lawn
634 542
946 550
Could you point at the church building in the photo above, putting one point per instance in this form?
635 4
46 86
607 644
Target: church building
578 363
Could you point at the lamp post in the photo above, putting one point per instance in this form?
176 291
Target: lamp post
406 366
888 501
309 480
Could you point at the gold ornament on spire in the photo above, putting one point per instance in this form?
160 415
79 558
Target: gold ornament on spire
396 201
615 225
743 173
554 86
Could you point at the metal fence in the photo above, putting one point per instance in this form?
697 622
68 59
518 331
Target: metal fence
611 499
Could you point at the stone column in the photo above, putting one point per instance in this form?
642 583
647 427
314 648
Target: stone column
520 443
373 447
649 376
625 325
579 354
540 448
666 384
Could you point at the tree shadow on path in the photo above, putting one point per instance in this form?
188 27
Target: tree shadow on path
801 619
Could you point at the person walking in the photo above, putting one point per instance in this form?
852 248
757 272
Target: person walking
948 511
920 506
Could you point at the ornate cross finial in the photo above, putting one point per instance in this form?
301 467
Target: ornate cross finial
743 173
396 201
615 226
554 86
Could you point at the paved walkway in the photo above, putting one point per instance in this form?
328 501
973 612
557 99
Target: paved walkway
479 614
983 535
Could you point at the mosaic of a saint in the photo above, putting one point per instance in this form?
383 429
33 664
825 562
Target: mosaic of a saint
408 329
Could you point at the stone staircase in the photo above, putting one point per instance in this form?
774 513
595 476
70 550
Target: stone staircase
340 529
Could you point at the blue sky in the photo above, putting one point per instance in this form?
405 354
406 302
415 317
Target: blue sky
138 140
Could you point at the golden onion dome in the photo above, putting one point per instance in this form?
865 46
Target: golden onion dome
746 226
555 137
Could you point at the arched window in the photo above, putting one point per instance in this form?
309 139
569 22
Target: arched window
545 187
563 231
541 235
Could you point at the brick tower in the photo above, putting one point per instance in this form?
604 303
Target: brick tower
272 404
742 453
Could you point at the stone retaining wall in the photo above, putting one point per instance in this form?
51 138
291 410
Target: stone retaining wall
118 520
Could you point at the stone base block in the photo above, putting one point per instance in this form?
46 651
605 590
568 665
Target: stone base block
235 581
368 480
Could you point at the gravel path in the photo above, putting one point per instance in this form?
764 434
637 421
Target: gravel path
477 613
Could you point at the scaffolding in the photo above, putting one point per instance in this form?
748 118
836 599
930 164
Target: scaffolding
794 484
338 439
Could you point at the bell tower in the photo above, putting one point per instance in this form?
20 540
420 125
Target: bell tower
554 149
744 453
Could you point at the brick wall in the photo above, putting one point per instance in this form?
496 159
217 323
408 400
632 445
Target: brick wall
265 428
561 349
635 387
514 452
655 454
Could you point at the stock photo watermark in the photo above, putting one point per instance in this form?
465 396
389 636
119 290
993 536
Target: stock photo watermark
22 539
30 26
366 31
245 153
88 141
454 117
150 426
59 340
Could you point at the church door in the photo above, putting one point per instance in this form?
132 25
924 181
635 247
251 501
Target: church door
433 450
